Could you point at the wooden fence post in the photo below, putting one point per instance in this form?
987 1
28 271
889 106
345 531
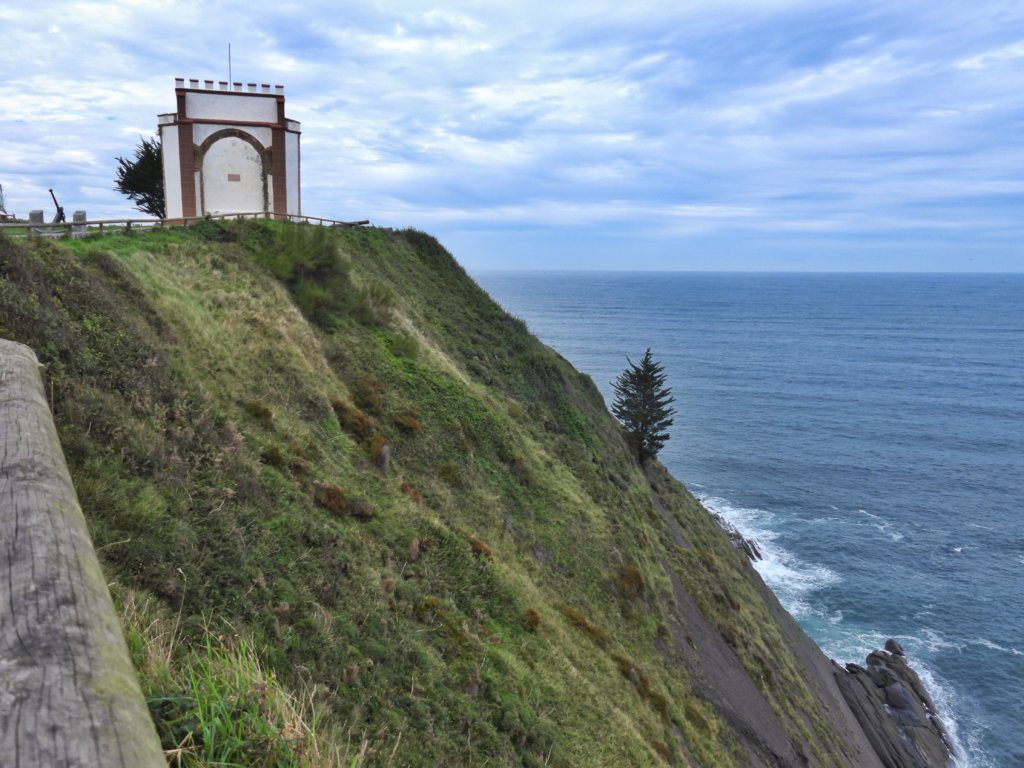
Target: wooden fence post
69 697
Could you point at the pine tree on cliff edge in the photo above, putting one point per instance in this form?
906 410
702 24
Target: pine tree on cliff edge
642 405
142 180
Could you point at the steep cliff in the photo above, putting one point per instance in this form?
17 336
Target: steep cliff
328 454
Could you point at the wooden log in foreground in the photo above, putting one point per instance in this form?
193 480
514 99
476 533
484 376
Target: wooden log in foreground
69 697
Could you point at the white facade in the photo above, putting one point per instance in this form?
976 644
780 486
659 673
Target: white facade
230 150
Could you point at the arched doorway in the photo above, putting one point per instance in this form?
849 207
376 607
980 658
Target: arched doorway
233 174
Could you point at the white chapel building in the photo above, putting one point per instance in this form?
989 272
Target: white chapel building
230 150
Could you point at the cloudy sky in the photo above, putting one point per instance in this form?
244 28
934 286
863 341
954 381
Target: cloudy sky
736 134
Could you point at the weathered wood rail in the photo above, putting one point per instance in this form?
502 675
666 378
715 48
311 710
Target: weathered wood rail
69 697
77 228
105 226
279 217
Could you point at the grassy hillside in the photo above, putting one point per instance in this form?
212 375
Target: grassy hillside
354 513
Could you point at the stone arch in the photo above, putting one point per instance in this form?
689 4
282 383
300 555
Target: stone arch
239 159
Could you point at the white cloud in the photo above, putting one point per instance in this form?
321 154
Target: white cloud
995 56
610 120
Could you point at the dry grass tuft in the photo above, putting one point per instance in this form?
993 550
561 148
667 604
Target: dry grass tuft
479 548
331 498
368 394
408 424
531 620
631 581
578 619
353 421
411 492
216 704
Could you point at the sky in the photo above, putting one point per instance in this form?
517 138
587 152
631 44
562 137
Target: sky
726 135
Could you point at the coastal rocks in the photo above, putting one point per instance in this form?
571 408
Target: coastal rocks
894 710
737 539
751 548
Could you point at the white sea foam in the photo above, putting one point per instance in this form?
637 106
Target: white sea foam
986 643
794 582
935 642
966 747
882 525
791 580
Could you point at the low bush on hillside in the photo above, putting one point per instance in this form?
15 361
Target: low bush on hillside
353 421
631 582
531 620
378 450
411 492
479 548
404 345
331 498
408 424
306 259
368 394
373 305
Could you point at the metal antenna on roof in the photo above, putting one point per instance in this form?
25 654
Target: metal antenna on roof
229 62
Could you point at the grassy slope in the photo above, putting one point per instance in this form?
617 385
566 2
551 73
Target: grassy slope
498 595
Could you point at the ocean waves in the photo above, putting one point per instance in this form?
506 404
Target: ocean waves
796 583
792 580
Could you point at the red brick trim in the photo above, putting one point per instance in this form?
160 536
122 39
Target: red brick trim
280 173
187 167
243 123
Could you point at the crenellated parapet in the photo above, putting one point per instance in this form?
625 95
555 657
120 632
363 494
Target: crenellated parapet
229 148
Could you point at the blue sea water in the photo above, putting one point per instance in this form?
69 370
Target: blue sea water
868 430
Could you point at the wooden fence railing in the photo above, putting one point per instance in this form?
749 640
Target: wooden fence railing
104 226
275 216
69 696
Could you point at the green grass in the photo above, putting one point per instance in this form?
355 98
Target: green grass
209 383
216 705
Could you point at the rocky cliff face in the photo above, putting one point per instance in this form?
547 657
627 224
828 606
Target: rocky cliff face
895 710
885 706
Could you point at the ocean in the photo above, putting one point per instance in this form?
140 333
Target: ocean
866 429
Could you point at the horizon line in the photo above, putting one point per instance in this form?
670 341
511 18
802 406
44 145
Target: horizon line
555 270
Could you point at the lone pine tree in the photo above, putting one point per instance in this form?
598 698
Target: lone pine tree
642 404
142 180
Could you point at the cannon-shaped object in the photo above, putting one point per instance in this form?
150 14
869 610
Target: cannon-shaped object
59 218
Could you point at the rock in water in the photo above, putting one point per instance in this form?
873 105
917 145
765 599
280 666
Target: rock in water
895 711
894 648
737 539
752 549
